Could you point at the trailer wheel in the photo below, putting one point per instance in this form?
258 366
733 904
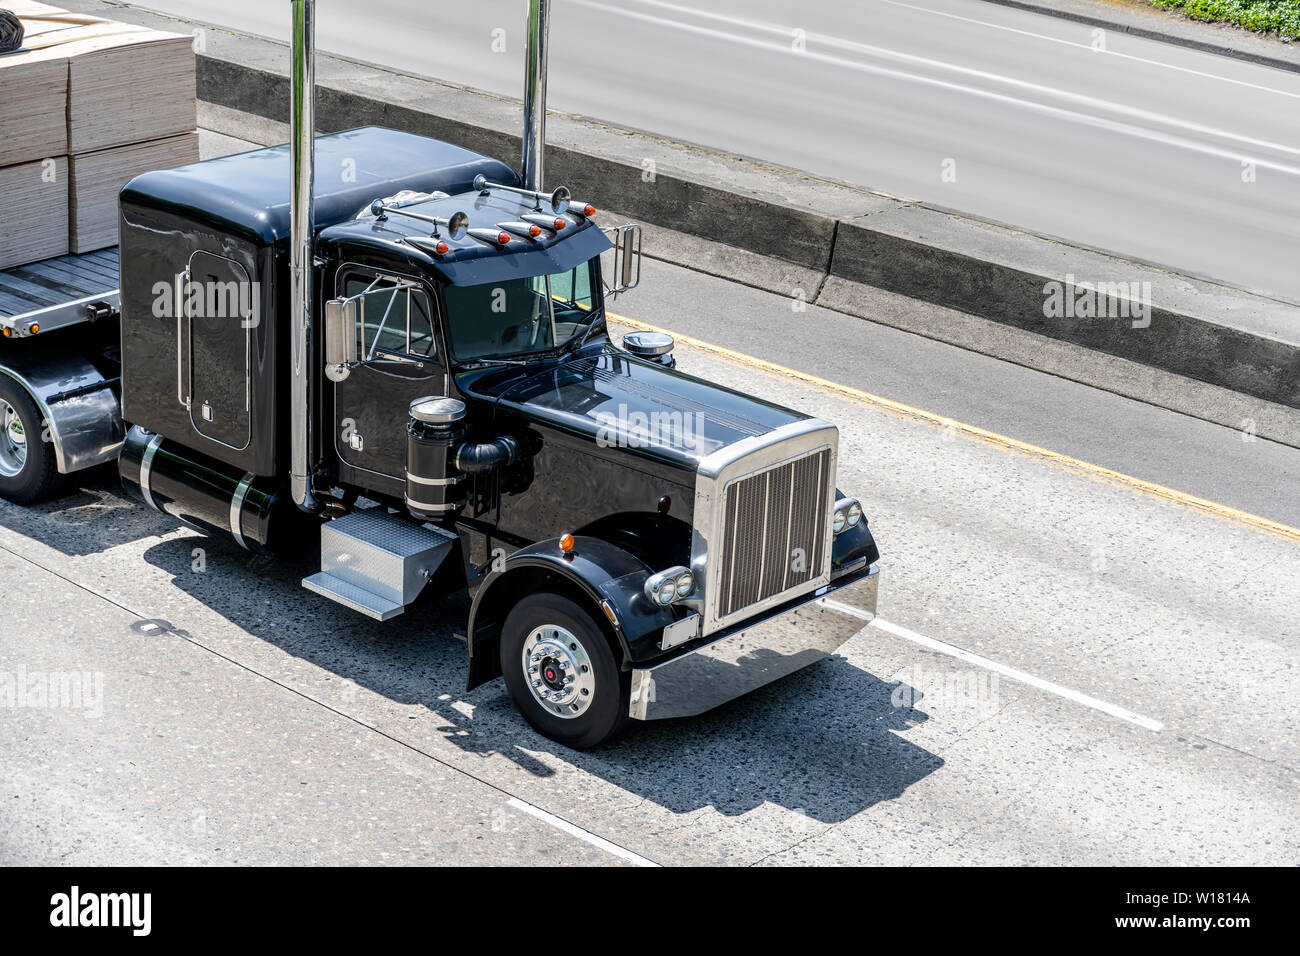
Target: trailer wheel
28 470
561 671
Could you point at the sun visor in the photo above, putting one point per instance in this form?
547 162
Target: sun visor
560 256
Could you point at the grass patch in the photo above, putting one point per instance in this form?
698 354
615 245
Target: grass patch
1264 16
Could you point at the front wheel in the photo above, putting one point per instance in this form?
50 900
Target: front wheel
561 671
28 470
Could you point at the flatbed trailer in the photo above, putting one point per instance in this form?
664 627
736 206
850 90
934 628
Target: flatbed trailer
56 293
60 369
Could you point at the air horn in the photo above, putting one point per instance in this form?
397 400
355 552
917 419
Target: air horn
456 225
559 198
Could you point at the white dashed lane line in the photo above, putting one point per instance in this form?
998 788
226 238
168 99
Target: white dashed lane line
623 853
1023 677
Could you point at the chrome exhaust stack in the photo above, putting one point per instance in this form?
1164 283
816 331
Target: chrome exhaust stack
302 162
534 140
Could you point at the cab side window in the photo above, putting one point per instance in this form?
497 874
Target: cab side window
572 289
395 318
571 294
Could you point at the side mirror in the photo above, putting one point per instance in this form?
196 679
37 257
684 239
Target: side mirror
341 317
625 269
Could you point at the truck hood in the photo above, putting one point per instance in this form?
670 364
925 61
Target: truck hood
620 401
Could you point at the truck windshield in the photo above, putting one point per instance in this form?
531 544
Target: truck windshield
519 317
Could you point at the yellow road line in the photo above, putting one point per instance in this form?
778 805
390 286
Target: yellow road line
1096 471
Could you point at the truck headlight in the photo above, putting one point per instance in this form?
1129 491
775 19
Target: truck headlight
668 586
847 514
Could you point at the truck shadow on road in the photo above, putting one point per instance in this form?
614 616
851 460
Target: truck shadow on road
826 741
87 518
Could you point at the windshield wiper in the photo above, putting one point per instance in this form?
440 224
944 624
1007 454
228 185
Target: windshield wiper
570 346
558 352
496 360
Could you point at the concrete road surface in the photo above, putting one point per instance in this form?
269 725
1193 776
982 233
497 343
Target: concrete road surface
1067 668
1181 158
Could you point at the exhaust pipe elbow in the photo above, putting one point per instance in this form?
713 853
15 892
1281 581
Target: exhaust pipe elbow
474 459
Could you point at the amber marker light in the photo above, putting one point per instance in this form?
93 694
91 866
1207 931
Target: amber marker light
534 231
441 248
503 237
560 224
566 543
33 328
589 210
609 612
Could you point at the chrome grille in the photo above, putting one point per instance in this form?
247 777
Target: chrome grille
775 531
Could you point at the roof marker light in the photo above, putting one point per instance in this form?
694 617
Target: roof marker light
437 247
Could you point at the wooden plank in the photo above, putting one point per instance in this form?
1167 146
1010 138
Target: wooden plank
98 177
130 88
33 105
122 83
34 213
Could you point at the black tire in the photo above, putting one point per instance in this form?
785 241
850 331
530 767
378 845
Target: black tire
604 714
37 475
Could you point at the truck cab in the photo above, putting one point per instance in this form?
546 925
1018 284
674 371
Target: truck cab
385 343
508 296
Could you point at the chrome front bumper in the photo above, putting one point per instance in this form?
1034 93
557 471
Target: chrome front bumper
754 654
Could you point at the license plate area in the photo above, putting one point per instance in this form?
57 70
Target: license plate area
679 632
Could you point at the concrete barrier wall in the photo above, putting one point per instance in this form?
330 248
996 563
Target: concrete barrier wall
1196 328
829 233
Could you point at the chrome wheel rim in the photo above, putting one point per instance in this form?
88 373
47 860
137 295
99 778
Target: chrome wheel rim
558 671
13 441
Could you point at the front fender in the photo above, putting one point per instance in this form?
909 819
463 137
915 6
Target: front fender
601 573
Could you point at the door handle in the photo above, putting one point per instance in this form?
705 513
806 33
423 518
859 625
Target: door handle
182 355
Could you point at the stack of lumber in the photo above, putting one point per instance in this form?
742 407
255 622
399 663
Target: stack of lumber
98 177
33 211
88 104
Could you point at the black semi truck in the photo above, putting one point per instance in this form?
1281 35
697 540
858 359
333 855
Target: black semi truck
412 363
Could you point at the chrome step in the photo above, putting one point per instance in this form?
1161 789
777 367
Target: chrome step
349 595
377 563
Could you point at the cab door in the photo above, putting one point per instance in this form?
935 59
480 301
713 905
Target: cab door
219 346
399 347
